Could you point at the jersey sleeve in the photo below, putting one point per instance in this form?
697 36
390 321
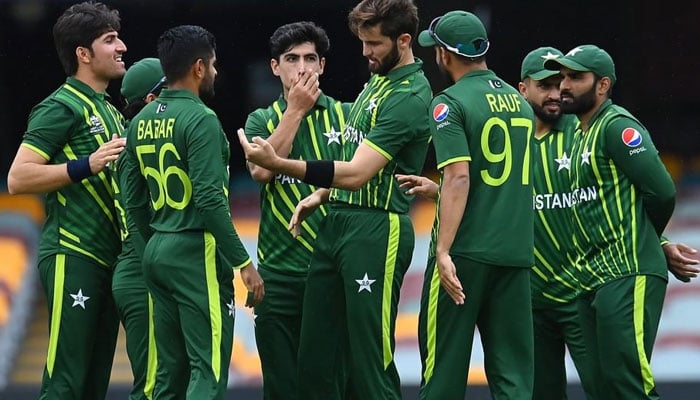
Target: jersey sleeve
135 192
630 147
49 127
204 141
400 118
256 125
447 131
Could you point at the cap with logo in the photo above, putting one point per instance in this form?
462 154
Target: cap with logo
458 31
586 58
143 77
533 63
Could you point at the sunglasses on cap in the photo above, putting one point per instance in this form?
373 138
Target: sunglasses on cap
477 48
158 86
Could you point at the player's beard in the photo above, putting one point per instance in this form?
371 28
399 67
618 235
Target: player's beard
387 63
445 73
578 104
544 115
206 88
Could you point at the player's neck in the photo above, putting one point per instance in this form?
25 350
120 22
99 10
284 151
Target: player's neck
96 83
585 118
405 59
542 128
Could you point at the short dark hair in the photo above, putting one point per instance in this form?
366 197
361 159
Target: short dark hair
79 26
395 16
180 47
296 33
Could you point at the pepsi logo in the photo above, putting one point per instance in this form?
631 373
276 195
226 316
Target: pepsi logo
631 137
440 112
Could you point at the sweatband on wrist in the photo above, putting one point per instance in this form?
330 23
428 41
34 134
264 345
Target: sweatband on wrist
79 169
319 173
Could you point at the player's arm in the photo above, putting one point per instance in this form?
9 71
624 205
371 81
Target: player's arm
47 133
349 175
301 98
643 166
136 199
394 127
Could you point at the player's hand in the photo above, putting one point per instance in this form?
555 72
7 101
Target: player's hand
418 185
254 283
679 262
448 278
106 153
304 92
306 206
260 152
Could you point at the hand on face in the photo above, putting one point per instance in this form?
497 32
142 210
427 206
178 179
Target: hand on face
304 92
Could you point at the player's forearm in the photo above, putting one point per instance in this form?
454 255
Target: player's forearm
283 136
659 209
281 140
30 178
453 202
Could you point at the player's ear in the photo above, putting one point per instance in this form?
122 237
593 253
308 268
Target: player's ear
275 66
604 84
404 41
322 64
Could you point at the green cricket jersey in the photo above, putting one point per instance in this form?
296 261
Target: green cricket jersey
484 121
128 272
553 278
177 157
625 199
69 124
391 116
319 137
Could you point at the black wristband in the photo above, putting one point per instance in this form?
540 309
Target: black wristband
79 169
320 173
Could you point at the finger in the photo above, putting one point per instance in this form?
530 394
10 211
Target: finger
243 139
686 249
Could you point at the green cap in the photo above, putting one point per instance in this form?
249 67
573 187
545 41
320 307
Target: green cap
458 31
586 58
143 77
533 63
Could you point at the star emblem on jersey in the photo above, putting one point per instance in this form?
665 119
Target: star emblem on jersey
372 105
365 283
586 157
79 299
564 162
333 136
550 56
231 308
573 51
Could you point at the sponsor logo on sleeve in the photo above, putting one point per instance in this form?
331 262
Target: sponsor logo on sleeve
632 138
440 112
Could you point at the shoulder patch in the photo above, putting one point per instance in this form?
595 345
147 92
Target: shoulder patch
631 137
440 112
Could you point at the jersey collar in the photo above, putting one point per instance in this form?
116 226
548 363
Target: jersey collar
400 72
607 103
85 89
182 93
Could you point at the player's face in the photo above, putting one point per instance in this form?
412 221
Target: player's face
578 91
106 56
206 88
381 52
544 97
294 61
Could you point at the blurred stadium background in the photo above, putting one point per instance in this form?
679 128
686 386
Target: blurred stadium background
652 48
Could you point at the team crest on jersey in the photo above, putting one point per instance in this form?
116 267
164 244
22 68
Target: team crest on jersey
95 125
440 112
631 137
